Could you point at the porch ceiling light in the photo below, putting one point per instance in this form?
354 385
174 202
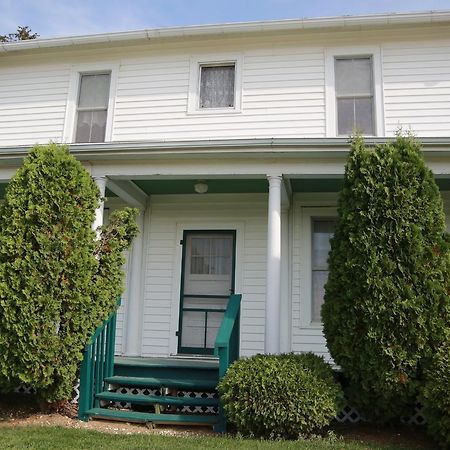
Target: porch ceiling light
201 187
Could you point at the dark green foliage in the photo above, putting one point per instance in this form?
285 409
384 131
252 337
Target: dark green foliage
388 263
115 238
275 396
52 288
436 395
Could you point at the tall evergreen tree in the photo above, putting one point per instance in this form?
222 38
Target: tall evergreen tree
388 266
57 281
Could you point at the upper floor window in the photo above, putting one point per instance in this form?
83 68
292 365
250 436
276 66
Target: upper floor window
217 86
92 107
354 95
354 91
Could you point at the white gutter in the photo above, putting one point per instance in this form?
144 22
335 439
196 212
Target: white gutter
341 22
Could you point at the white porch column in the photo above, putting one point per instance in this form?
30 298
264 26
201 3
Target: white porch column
101 184
273 281
133 328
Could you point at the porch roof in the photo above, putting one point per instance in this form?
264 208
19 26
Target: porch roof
211 148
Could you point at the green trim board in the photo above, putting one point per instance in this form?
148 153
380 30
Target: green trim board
216 186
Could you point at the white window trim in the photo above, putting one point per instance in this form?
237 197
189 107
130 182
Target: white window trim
196 63
72 100
330 92
307 214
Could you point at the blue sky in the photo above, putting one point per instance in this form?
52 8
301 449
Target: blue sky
72 17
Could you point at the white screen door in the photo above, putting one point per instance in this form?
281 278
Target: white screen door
207 283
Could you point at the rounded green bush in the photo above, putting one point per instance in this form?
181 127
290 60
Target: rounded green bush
286 396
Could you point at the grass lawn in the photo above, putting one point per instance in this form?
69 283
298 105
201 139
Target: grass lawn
58 438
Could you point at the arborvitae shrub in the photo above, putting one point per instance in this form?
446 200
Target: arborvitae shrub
436 395
388 264
52 272
286 396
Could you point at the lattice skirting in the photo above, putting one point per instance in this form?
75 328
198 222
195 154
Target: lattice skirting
347 415
166 391
22 389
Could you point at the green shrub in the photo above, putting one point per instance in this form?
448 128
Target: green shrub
386 287
54 286
285 396
436 396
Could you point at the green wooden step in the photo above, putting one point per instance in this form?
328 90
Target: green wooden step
157 399
133 416
180 383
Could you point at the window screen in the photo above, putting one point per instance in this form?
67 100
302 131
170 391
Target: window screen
92 108
322 232
217 86
354 95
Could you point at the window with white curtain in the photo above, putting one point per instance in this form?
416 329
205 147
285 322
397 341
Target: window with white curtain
322 231
92 107
217 86
354 95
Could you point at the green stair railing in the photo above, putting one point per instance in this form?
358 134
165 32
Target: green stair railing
227 345
98 364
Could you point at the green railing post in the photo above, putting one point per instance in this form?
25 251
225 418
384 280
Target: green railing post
97 364
227 346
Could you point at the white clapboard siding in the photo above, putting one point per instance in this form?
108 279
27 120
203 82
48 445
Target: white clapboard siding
32 103
417 87
163 263
282 95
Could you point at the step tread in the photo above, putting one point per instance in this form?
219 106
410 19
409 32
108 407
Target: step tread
157 399
182 383
134 416
172 362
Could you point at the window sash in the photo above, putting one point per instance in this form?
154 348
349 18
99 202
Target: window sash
212 95
322 229
355 121
93 127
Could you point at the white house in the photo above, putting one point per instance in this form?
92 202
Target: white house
231 139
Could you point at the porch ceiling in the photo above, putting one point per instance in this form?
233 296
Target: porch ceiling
316 184
216 186
336 184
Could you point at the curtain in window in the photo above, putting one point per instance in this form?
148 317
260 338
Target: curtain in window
217 86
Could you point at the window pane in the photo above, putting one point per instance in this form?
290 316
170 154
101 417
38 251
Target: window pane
94 91
211 255
193 332
364 115
346 115
217 87
91 126
322 233
353 76
319 278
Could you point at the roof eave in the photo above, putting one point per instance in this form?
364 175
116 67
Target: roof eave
341 22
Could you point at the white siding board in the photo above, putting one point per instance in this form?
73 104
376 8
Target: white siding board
32 103
417 87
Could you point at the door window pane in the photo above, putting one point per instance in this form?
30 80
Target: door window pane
211 255
354 95
217 86
322 232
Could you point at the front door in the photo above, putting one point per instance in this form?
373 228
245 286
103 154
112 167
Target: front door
207 280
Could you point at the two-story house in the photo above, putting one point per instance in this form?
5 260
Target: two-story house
231 139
